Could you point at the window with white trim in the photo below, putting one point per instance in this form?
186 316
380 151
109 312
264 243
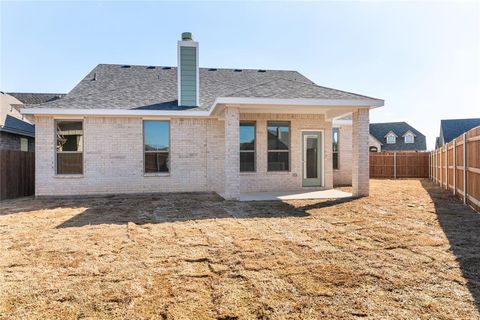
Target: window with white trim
69 151
156 141
247 146
391 138
278 146
409 138
335 140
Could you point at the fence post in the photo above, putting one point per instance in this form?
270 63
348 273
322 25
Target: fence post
394 165
441 167
454 175
446 166
430 166
465 168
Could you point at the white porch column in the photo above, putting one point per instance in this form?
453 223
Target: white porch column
232 154
360 155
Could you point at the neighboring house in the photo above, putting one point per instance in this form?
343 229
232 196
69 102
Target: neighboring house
130 129
452 128
396 136
16 132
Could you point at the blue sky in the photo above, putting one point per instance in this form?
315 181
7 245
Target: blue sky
423 58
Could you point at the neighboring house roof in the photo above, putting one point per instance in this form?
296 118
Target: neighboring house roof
437 142
17 126
11 120
380 130
379 142
134 87
390 133
452 128
36 98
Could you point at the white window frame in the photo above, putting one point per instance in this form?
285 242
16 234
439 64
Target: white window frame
169 157
289 146
56 144
391 136
254 151
338 148
409 135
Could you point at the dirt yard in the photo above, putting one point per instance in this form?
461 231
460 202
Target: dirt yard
408 251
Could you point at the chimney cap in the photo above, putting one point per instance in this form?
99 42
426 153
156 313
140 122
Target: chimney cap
187 36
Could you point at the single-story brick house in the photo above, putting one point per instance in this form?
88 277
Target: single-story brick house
130 129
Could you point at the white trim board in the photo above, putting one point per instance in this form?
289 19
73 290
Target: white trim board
251 104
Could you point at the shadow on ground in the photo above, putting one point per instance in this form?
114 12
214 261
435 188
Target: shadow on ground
161 208
462 228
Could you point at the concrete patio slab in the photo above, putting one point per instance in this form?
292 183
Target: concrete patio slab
294 195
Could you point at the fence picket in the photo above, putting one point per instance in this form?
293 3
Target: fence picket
465 166
17 174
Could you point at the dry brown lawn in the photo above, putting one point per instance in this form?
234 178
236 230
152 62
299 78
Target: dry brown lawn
410 250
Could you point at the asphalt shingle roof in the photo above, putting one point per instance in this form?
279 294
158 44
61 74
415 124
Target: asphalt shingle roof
113 86
380 130
452 128
36 98
17 126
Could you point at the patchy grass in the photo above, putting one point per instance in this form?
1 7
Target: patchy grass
408 251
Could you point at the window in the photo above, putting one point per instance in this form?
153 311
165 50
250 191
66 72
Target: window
247 147
409 138
24 144
69 136
278 146
335 140
156 141
391 138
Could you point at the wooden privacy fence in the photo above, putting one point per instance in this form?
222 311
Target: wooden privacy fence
456 167
17 174
393 165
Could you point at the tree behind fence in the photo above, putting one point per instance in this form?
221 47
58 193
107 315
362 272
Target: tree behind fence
450 170
17 174
393 165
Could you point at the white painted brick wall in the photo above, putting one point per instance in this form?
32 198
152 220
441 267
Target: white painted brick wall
343 176
232 154
360 154
113 156
262 180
